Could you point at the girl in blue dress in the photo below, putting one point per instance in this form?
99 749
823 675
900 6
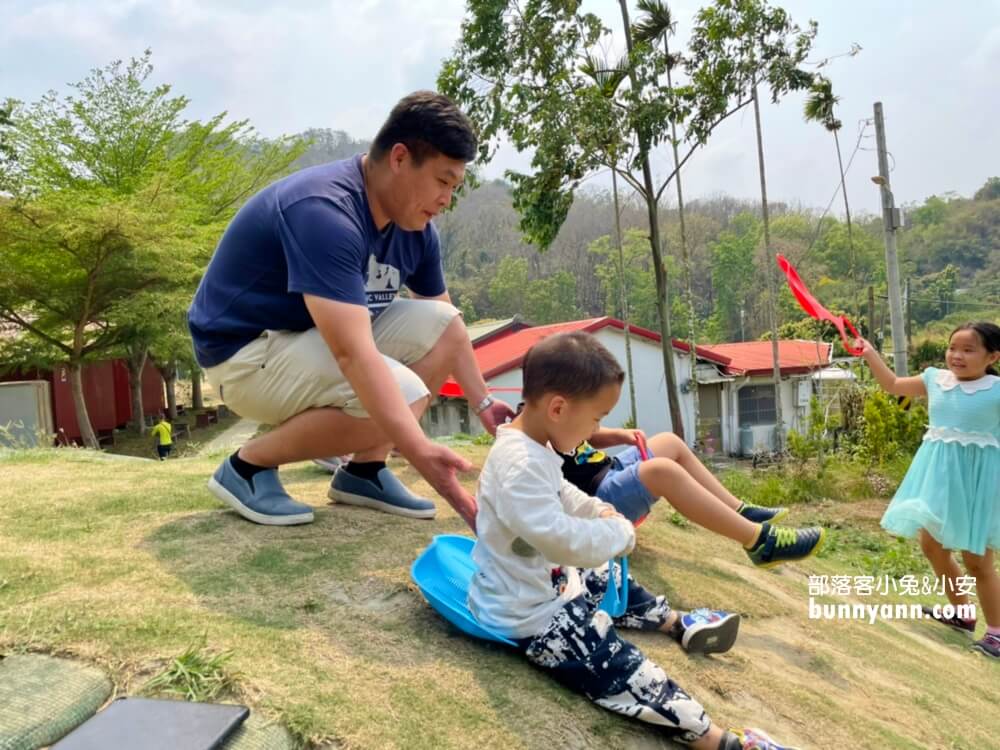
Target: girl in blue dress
950 496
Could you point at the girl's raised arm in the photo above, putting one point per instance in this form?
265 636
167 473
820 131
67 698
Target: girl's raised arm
912 386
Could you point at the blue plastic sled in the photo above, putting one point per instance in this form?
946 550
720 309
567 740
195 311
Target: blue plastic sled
444 571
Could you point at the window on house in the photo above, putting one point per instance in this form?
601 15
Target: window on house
757 405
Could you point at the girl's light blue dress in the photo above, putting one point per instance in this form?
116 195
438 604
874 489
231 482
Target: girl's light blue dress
952 488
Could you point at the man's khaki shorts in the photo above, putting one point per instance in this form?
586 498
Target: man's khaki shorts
284 373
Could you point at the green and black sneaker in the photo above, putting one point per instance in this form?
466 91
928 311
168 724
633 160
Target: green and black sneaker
779 544
760 514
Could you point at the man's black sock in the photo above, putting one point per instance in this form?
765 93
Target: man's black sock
366 470
244 468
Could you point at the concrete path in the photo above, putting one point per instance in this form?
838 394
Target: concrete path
233 437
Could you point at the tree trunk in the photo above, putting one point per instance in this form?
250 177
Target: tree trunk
197 402
662 301
136 363
624 301
847 207
686 257
769 272
169 375
80 405
847 213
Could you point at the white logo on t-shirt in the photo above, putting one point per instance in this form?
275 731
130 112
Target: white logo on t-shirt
382 285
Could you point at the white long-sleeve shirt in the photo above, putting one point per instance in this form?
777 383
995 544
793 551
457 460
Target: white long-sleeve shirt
530 521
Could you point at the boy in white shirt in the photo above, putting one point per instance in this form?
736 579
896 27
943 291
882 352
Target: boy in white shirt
535 533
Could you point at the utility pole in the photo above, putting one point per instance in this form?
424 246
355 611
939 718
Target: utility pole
871 313
891 222
909 319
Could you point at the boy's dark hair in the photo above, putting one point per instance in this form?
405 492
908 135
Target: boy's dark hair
989 334
427 123
572 364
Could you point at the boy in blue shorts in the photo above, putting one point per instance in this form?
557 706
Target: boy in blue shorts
673 472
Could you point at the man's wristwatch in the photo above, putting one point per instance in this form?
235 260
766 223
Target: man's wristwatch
483 405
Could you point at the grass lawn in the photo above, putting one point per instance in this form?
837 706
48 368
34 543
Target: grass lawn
131 564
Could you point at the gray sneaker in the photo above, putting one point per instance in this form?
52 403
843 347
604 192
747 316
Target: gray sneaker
988 645
263 501
709 631
392 497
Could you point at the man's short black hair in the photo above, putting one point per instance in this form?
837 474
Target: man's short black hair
574 365
427 123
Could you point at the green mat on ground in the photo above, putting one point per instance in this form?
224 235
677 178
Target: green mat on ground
43 698
259 734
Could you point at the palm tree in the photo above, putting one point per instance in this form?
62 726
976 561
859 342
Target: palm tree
819 108
770 270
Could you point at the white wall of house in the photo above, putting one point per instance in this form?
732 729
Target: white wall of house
445 416
451 416
650 388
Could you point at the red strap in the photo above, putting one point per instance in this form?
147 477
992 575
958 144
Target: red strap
814 309
644 455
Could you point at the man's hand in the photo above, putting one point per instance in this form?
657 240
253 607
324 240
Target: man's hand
495 415
438 465
610 513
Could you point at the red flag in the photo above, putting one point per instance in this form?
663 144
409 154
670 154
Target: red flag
813 307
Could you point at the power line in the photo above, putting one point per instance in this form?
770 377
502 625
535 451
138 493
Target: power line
941 301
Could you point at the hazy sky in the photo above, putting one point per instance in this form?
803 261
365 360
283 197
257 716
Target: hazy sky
342 63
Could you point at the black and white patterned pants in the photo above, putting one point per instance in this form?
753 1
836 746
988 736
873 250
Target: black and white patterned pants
582 650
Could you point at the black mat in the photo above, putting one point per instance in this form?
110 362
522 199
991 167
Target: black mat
143 724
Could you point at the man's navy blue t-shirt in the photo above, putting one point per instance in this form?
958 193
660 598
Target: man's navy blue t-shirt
309 233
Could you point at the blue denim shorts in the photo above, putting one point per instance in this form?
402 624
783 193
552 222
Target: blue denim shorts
621 486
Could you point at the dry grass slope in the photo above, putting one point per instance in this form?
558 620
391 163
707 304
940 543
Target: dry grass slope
127 564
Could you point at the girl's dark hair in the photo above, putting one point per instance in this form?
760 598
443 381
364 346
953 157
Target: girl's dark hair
989 334
572 364
427 123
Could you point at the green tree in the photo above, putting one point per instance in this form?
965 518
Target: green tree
6 148
631 271
551 299
507 290
990 191
935 295
69 257
520 71
733 277
117 201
